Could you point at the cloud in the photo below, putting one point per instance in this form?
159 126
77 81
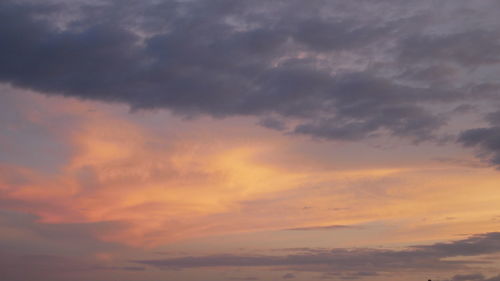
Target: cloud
348 275
147 185
53 267
273 123
248 278
475 245
424 257
131 181
486 139
474 277
469 48
330 75
32 250
322 227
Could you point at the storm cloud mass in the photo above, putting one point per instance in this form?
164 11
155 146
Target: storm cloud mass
328 69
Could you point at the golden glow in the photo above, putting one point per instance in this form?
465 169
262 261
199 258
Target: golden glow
161 187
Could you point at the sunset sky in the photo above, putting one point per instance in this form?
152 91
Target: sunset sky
233 140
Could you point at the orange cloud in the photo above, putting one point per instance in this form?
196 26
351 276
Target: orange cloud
165 185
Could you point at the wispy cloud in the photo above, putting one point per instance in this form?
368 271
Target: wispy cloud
432 257
323 227
474 277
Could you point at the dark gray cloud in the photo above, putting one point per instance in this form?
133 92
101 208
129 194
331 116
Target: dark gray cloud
288 276
487 142
248 278
474 277
369 261
334 70
348 275
469 48
273 123
485 139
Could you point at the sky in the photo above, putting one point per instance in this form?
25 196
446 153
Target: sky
231 140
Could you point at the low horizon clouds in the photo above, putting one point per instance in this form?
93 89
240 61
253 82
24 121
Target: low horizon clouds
434 257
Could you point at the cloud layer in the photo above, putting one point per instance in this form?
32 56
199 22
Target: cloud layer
429 258
327 69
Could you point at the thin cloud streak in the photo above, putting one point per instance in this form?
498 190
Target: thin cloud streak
422 257
323 227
